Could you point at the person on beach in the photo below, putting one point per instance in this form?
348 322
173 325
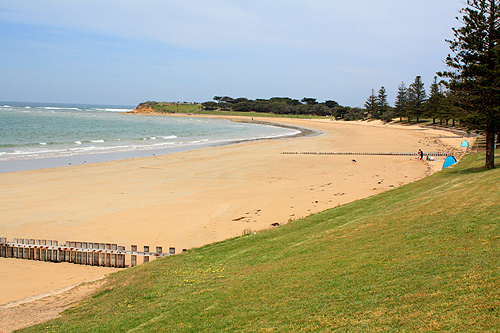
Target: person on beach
420 155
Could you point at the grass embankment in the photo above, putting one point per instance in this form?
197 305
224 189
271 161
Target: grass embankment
423 257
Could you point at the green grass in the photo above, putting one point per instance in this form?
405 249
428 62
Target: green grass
176 108
196 109
424 257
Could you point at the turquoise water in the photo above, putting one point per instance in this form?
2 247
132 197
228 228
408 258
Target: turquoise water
33 131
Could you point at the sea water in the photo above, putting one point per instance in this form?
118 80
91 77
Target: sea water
37 135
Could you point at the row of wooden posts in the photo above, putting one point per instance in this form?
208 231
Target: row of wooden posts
83 253
437 153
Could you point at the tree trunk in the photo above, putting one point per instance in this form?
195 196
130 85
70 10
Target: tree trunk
490 146
409 120
433 121
453 122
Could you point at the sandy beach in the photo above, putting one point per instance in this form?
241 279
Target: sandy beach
196 197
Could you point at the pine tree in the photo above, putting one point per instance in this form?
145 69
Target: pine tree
371 104
434 105
416 98
382 104
401 102
475 69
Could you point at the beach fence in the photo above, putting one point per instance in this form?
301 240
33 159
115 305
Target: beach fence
83 253
434 153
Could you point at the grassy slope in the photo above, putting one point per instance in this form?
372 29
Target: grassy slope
423 257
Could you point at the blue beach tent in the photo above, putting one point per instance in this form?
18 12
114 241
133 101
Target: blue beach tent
450 160
465 144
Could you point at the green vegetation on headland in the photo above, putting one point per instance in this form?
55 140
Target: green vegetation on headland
423 257
276 106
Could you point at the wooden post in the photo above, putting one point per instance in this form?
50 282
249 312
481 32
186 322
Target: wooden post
61 255
102 257
145 259
133 258
72 246
113 263
95 255
121 257
107 261
31 254
84 254
3 253
15 252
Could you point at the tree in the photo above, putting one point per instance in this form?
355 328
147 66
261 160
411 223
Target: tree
209 105
309 101
401 102
434 104
450 107
371 104
331 104
416 98
475 69
382 104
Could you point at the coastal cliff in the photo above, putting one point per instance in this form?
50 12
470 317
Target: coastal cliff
151 107
143 108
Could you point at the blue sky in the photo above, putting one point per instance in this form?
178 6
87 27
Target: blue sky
125 52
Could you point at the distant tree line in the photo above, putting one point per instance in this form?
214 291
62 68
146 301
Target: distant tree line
413 102
470 91
282 105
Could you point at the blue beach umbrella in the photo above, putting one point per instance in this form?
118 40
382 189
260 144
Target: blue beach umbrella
465 143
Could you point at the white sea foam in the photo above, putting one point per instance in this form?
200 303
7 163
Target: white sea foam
117 110
78 142
58 108
97 141
43 143
200 141
169 137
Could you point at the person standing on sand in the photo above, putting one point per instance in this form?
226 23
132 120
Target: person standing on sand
420 155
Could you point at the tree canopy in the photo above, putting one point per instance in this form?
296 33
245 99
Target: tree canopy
279 105
474 76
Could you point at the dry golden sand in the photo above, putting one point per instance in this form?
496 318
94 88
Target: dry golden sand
192 198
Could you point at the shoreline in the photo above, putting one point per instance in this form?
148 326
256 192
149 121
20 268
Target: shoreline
73 160
192 198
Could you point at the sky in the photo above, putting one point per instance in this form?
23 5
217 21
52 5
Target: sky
125 52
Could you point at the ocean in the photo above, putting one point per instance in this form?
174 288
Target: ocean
42 135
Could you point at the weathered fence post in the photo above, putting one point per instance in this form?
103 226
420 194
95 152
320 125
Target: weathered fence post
114 247
121 257
145 259
83 253
133 258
